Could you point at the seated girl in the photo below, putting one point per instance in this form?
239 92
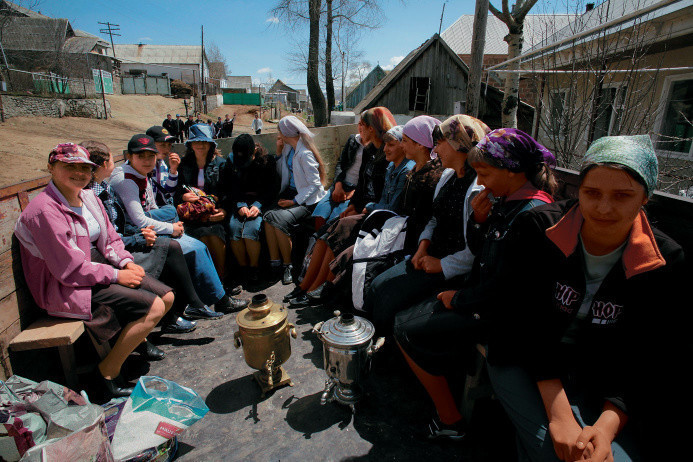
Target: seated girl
76 265
586 358
201 169
442 254
160 256
442 330
254 185
302 173
132 186
332 254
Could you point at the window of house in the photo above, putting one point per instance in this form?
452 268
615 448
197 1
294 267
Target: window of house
418 93
676 129
558 120
610 111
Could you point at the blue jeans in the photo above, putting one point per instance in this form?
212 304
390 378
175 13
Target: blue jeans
246 228
202 271
328 209
520 398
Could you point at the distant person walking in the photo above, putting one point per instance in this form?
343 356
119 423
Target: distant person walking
227 126
188 123
256 125
179 127
168 124
217 127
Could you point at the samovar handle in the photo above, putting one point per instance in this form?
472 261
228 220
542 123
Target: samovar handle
378 345
292 330
317 327
237 339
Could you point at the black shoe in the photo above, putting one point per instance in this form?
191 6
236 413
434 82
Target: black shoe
149 351
293 294
288 278
113 390
201 313
231 304
300 302
179 326
439 431
319 294
235 290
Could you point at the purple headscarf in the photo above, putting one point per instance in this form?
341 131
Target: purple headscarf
514 150
420 129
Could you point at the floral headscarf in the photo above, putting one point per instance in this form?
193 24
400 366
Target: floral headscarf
463 132
395 133
380 118
514 150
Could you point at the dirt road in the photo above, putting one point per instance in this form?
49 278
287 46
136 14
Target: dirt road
26 141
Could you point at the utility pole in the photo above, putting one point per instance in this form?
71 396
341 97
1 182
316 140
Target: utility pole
111 30
476 65
203 92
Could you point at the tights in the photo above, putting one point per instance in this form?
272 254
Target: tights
175 273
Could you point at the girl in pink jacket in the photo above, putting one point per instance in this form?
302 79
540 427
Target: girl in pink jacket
75 263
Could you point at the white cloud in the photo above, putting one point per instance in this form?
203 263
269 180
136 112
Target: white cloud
273 19
264 70
393 62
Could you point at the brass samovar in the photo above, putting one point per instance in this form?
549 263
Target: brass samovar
263 331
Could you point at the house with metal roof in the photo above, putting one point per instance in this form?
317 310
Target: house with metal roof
237 84
624 67
358 92
432 80
182 62
292 95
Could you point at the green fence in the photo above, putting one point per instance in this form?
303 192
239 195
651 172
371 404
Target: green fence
249 99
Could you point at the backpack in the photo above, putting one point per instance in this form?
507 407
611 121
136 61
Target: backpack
380 246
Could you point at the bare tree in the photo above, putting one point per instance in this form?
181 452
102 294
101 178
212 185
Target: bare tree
514 19
218 67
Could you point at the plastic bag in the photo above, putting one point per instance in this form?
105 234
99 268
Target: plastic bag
156 411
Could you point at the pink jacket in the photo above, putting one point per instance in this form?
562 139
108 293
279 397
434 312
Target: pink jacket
56 253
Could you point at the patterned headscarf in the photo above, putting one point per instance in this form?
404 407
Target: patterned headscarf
420 129
292 127
514 150
463 132
395 133
380 118
635 152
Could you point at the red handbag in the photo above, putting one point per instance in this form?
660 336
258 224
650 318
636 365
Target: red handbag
199 210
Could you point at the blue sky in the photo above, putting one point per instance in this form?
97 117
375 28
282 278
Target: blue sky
244 30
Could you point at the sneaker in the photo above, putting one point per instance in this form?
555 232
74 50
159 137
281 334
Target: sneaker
300 302
288 278
180 326
321 293
437 430
231 304
201 313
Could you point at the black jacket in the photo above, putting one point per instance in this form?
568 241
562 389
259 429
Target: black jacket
635 340
371 177
217 180
170 125
346 160
254 181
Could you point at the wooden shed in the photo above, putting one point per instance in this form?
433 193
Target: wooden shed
360 91
432 80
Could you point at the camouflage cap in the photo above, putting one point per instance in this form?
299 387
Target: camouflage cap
70 153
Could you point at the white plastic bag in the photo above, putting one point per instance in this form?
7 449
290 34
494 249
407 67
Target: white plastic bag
157 410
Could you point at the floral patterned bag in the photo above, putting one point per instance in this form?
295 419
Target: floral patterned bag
199 210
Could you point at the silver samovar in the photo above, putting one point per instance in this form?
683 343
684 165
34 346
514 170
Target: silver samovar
347 350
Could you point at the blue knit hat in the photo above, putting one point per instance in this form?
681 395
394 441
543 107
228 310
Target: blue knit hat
200 132
635 152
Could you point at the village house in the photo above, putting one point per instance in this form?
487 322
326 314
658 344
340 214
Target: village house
359 91
412 88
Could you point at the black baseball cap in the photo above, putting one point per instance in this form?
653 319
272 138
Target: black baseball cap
160 134
141 142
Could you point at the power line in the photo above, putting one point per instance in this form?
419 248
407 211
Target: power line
111 31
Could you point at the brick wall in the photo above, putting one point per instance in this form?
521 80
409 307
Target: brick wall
32 106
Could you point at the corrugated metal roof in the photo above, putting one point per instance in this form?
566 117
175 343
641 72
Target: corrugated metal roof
536 27
158 54
35 34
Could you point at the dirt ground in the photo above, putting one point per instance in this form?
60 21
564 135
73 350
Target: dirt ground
26 141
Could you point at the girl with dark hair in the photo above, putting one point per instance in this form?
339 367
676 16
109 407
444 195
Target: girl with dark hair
200 168
586 361
254 185
441 330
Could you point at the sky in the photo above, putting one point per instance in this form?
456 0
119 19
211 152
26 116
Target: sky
253 41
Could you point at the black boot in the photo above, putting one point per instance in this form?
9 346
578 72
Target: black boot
113 390
149 351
